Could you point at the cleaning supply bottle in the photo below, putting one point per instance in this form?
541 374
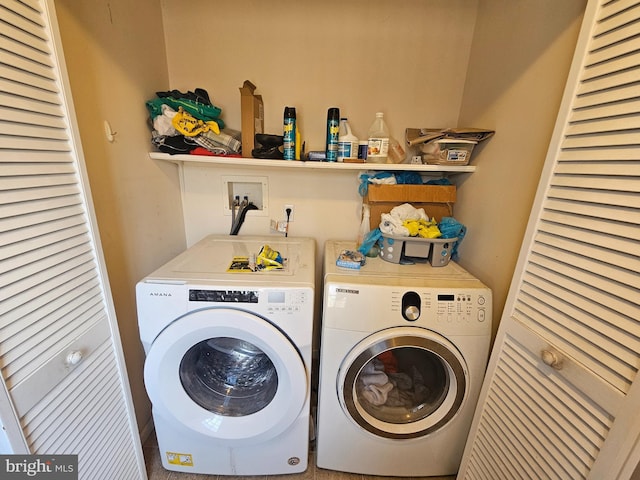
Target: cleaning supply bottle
289 142
347 141
364 224
333 130
363 234
299 144
378 140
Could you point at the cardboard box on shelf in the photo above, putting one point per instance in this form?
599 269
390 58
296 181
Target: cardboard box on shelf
437 200
418 136
252 113
446 146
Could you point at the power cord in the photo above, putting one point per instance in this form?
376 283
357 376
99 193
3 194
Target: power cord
286 230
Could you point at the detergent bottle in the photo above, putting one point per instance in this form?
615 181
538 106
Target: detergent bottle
347 141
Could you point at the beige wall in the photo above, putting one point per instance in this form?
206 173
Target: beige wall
114 52
518 66
407 59
425 63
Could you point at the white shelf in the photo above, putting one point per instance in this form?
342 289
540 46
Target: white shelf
257 162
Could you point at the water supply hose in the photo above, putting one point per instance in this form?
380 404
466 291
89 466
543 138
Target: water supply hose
242 213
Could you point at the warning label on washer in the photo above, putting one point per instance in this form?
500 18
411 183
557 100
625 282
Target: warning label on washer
183 459
241 264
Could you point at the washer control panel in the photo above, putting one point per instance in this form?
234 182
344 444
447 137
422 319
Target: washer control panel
223 296
267 301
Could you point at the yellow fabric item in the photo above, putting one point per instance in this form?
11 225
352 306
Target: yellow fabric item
422 228
189 126
412 226
431 231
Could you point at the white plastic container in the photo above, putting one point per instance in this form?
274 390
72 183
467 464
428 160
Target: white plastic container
378 140
347 141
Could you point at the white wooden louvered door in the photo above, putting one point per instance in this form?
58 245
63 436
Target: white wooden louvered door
64 388
561 396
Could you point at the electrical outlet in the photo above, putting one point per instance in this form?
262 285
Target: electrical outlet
284 210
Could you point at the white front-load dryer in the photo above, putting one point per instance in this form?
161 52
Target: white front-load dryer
403 354
228 356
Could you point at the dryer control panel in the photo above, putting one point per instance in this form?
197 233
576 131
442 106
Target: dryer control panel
458 309
454 307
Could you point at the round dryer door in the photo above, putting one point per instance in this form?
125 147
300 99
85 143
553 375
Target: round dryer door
228 374
402 382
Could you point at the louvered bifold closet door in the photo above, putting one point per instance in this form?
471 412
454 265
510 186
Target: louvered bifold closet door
60 358
561 396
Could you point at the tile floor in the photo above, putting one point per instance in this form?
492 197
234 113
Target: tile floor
155 471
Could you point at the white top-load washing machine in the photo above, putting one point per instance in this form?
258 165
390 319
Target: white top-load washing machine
403 353
228 356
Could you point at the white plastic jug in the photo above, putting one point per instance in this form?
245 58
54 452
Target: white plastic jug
347 141
378 148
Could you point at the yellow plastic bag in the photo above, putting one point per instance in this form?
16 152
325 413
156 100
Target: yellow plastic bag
269 259
190 126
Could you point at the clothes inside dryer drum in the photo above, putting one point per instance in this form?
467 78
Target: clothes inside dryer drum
228 376
415 386
425 383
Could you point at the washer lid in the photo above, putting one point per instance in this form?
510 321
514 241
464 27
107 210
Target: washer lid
226 374
209 261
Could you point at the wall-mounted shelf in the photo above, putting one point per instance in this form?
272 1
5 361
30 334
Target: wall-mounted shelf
333 166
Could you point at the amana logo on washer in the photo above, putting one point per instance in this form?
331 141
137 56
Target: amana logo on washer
160 294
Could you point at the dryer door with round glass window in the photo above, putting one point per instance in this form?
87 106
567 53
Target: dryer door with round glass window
228 374
403 382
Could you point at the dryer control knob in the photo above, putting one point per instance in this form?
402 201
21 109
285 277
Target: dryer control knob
411 306
412 313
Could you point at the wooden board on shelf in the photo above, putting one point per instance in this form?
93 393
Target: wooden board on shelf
334 166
